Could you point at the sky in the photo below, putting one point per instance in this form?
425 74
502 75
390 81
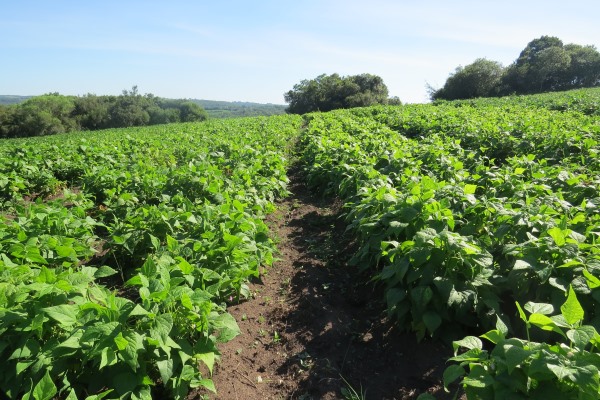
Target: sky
236 50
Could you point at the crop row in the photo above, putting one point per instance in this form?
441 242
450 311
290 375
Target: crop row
120 250
462 214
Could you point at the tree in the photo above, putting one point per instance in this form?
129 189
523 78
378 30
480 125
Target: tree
330 92
547 65
584 70
478 79
191 112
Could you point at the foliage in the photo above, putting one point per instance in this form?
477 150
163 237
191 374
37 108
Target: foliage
53 113
330 92
461 209
545 64
479 79
118 289
520 369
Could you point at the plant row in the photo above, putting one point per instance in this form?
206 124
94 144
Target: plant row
465 213
119 252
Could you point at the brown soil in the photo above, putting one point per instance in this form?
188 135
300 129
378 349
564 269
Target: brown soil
314 327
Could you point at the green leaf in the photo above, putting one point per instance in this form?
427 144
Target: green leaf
469 342
558 235
104 271
515 355
155 242
571 309
45 388
163 324
452 373
205 383
582 336
185 266
65 314
172 243
120 341
544 322
522 313
539 308
591 280
494 336
562 371
208 359
72 395
165 368
470 189
478 377
432 320
107 357
226 326
501 326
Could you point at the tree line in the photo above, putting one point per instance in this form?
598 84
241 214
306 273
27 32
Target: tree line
54 113
546 64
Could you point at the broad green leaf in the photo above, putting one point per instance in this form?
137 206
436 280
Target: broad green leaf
72 395
470 189
582 336
205 383
501 326
172 243
591 280
452 373
562 371
558 235
469 342
120 341
521 264
185 266
432 320
104 271
539 308
494 336
515 356
107 358
165 368
571 309
163 324
478 377
45 389
65 314
155 242
544 322
226 326
208 359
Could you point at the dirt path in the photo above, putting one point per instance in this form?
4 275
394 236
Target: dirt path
309 331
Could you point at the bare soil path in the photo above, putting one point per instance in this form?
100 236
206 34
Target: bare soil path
314 328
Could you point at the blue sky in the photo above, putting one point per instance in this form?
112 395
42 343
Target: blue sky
256 51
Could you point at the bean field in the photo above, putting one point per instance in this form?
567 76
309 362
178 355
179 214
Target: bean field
121 250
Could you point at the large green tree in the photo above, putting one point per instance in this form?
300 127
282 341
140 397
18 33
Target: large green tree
546 64
330 92
478 79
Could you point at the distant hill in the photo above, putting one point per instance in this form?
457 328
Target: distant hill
232 109
215 109
10 99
